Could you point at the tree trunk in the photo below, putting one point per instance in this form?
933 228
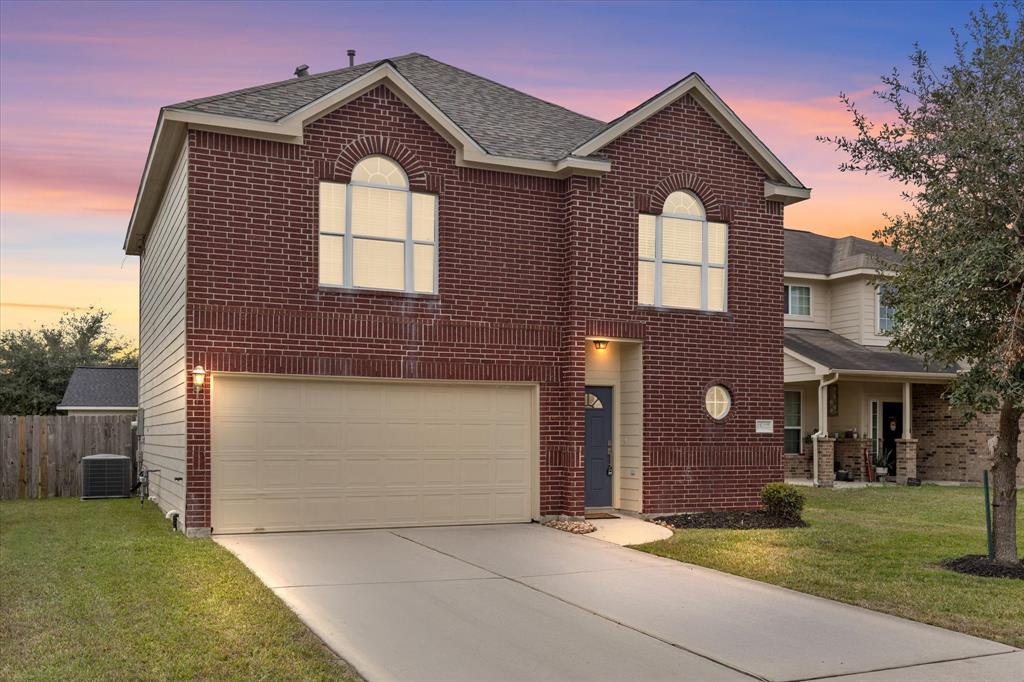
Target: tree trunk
1004 484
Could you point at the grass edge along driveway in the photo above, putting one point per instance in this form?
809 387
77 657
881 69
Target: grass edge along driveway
877 548
101 589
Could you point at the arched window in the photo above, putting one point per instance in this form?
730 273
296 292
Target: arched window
375 233
681 257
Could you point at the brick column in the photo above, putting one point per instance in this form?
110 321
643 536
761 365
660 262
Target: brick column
826 459
906 459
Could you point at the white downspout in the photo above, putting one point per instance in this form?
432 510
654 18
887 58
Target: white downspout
822 421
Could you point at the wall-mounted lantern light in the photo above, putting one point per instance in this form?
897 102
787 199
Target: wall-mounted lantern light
198 377
600 344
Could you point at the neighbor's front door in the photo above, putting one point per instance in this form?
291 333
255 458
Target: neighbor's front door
598 447
892 430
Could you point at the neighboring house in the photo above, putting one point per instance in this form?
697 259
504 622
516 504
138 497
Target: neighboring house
415 296
100 391
844 381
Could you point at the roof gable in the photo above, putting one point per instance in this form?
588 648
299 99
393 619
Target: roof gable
491 126
701 92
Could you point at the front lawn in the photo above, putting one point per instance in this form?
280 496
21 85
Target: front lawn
100 589
878 548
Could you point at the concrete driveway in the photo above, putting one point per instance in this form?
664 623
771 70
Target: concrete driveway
525 602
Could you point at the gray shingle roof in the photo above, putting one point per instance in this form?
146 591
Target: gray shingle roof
502 120
821 255
839 353
102 387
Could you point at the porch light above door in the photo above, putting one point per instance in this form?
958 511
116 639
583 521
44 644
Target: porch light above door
600 344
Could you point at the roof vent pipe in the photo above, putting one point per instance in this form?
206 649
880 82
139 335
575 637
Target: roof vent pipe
302 70
351 57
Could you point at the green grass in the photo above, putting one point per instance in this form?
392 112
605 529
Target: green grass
877 548
103 590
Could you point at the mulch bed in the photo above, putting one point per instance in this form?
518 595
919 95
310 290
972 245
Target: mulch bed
980 565
757 518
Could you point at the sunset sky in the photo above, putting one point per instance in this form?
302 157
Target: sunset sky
81 85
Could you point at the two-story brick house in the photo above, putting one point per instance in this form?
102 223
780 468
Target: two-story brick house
844 381
402 294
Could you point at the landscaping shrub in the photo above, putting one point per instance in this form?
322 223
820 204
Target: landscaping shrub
782 500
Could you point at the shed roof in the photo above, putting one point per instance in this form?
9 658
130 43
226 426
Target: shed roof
102 387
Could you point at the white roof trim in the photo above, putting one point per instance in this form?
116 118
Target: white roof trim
839 275
726 117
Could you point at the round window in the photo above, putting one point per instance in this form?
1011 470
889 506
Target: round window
717 401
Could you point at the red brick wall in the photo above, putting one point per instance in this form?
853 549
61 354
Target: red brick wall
948 449
527 268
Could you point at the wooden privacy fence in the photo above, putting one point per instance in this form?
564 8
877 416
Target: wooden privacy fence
41 453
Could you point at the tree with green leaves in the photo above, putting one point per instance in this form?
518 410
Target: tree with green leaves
36 364
956 142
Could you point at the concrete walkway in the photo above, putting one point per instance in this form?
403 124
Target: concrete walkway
628 530
519 602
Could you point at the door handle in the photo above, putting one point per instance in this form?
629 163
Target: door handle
609 469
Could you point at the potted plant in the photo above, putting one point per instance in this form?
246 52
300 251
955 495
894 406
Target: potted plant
881 464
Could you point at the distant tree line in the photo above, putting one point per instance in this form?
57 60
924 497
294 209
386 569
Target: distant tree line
36 364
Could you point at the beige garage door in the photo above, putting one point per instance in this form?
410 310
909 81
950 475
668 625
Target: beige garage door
308 454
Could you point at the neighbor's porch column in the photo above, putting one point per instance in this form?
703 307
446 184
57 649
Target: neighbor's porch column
822 409
907 411
906 447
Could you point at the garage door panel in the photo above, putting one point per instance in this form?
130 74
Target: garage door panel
282 398
281 435
510 470
401 471
234 434
321 435
317 473
292 454
322 398
237 473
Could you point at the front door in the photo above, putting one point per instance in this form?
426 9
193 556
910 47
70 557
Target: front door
892 428
598 447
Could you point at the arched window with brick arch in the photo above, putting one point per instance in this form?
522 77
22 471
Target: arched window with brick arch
377 234
682 259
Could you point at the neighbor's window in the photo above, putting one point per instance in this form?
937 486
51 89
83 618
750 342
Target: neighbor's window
682 257
885 311
791 440
797 299
375 233
717 401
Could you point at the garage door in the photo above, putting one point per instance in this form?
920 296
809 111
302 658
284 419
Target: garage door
308 454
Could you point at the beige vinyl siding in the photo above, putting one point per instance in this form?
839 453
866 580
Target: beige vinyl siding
796 370
631 439
847 308
162 378
820 305
870 303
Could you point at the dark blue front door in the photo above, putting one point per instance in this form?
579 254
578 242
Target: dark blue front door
598 447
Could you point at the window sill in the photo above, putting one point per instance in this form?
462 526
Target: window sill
724 314
389 293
